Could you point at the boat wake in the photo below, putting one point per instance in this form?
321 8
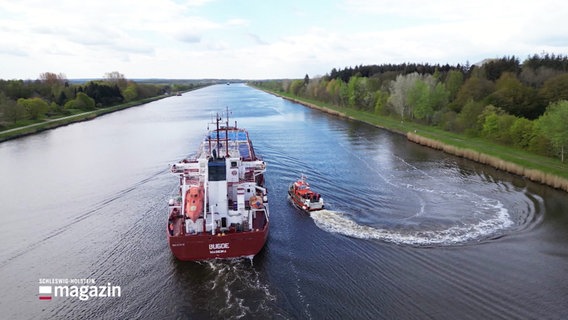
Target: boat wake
422 234
238 288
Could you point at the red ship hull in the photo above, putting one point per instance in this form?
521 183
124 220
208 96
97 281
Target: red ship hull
207 247
222 245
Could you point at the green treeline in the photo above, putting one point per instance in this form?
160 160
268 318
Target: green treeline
501 100
53 95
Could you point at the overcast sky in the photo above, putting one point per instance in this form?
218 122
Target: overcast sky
263 39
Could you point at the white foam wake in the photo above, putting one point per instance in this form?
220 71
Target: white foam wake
459 233
238 288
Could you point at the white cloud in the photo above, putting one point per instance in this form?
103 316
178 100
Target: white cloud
177 38
238 22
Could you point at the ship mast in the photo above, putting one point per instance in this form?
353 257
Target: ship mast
227 134
217 119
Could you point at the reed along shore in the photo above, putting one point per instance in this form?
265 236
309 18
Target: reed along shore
531 174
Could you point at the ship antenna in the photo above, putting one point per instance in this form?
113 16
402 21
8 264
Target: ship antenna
227 134
218 118
227 108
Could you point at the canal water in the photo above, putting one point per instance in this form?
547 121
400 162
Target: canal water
408 232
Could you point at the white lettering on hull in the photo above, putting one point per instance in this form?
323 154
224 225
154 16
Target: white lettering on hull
216 248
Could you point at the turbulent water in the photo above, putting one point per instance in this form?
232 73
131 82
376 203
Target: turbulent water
407 233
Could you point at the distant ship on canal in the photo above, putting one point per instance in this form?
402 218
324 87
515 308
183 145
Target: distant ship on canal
221 209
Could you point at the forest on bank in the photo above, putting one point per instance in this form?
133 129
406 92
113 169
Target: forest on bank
53 95
501 100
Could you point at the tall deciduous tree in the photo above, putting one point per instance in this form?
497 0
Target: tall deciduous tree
555 89
360 96
514 97
468 118
82 101
554 125
9 110
427 96
522 132
399 89
454 81
35 107
296 87
419 100
130 92
116 78
475 88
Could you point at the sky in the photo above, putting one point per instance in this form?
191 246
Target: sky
265 39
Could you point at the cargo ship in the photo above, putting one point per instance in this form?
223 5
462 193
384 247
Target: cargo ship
221 209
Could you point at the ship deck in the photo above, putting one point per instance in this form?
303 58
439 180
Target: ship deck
238 138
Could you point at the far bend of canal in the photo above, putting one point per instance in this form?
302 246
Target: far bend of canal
410 233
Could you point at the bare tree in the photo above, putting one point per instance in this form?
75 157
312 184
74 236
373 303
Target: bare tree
52 79
116 78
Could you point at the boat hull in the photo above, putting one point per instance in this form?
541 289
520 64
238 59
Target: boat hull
220 246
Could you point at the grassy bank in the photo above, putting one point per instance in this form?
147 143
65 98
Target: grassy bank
63 121
537 168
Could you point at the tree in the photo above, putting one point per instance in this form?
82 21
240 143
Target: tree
10 110
427 96
359 96
116 78
296 87
131 92
61 99
497 124
467 119
514 97
51 79
399 89
35 107
553 124
419 100
496 67
82 101
343 93
332 89
475 88
522 132
536 77
16 89
104 94
439 96
555 89
381 99
454 81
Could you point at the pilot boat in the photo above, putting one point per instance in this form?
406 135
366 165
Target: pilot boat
304 197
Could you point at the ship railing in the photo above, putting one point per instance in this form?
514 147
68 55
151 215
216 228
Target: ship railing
258 222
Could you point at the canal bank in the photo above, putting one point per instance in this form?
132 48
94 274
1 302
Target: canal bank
60 122
85 116
535 170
